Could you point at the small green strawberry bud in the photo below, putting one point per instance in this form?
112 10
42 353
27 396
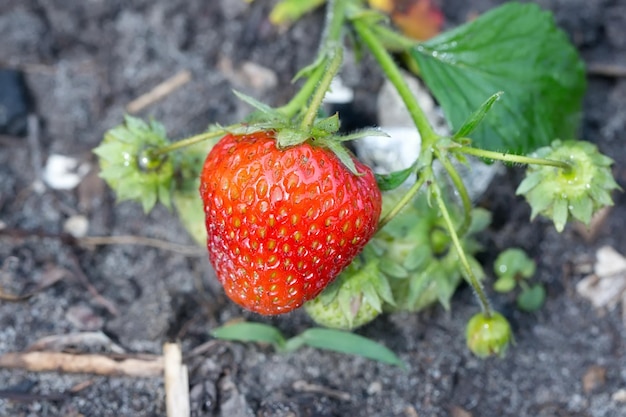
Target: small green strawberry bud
487 336
580 191
131 167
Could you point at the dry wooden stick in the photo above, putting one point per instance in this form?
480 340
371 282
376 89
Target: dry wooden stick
607 70
159 92
176 382
82 364
187 250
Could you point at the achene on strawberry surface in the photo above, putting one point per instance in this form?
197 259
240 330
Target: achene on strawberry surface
283 223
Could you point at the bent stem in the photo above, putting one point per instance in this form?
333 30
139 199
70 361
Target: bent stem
302 96
460 186
406 198
392 71
507 157
330 72
335 18
478 289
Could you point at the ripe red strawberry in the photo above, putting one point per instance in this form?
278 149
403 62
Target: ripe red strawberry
282 224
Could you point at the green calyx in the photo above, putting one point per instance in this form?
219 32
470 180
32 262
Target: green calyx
417 257
579 191
488 335
131 167
355 298
291 131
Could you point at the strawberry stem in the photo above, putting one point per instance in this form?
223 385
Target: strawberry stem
478 289
298 101
392 71
460 186
393 40
316 101
507 157
191 141
406 199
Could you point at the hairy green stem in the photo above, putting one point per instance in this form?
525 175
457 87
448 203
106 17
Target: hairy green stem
316 101
392 40
507 157
302 96
193 140
460 186
392 71
406 199
335 19
478 289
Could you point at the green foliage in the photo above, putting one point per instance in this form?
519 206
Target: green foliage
391 181
531 298
477 117
251 332
511 266
516 49
514 268
417 257
514 55
328 339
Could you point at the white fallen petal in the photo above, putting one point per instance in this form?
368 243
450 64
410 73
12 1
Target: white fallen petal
63 172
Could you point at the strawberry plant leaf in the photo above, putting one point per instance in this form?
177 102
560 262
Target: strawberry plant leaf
477 117
288 11
513 263
515 48
329 124
362 133
264 112
251 332
350 343
532 298
343 155
391 181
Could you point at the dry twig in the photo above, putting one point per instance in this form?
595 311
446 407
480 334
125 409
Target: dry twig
177 401
186 250
58 343
607 70
159 92
82 364
304 386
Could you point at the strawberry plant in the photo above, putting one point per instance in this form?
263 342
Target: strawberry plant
291 218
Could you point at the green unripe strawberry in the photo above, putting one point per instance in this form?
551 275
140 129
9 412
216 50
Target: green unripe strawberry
355 298
335 316
488 336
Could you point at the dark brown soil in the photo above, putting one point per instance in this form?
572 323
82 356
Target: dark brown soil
85 61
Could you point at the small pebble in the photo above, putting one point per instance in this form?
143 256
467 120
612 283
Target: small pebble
76 226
